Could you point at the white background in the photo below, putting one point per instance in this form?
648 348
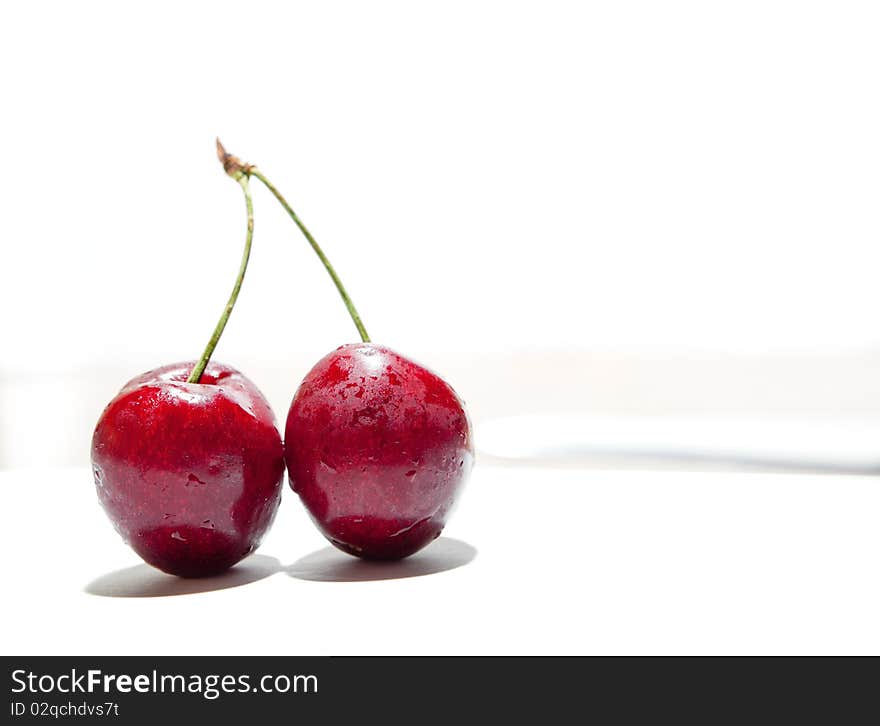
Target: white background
487 176
629 208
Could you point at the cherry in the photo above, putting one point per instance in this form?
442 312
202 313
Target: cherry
377 446
189 473
187 460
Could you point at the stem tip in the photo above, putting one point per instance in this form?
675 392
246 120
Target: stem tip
232 165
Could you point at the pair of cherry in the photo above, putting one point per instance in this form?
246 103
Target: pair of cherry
189 465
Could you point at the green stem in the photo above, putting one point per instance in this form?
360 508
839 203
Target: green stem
196 375
253 171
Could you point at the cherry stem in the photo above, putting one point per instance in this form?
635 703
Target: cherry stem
233 166
244 181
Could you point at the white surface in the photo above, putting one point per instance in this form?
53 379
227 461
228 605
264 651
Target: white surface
568 561
843 444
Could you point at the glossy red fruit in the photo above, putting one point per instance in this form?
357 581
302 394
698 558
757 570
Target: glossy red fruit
190 474
378 449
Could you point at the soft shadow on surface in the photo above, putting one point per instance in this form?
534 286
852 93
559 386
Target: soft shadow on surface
635 460
773 443
331 565
146 581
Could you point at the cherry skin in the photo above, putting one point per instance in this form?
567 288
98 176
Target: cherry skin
378 448
190 474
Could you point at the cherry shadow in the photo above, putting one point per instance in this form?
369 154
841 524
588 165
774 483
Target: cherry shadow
331 565
145 581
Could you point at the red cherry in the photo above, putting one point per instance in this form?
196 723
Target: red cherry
378 448
190 474
187 459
